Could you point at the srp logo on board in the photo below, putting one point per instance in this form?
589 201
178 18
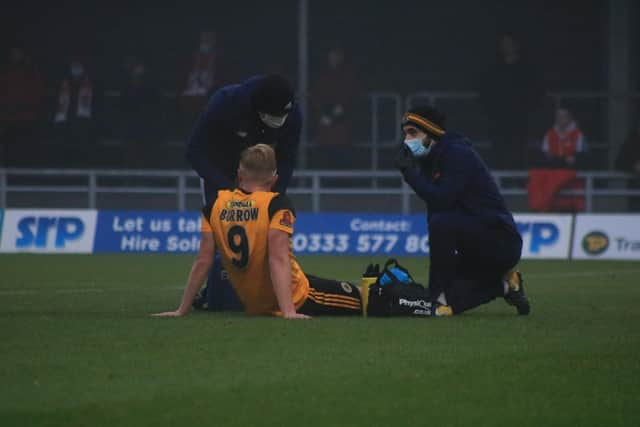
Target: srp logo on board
544 236
48 231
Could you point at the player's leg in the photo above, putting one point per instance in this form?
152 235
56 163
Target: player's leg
331 297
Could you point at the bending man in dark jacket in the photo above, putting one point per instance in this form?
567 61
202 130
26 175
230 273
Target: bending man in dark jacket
473 240
259 110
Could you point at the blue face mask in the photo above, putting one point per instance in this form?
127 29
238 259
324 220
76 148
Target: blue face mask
417 147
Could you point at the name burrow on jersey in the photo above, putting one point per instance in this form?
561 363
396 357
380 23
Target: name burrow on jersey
239 211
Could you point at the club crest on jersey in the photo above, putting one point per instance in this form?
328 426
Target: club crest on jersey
286 219
346 287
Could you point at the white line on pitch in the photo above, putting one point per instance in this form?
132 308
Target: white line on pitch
16 292
10 292
582 274
79 291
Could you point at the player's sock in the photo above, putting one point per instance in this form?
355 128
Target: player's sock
369 277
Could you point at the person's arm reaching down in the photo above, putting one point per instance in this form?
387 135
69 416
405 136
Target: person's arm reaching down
203 134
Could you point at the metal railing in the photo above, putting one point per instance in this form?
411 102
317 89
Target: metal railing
306 182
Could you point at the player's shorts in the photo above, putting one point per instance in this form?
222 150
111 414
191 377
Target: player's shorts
331 298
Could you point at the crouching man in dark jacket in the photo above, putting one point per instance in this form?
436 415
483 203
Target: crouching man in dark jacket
473 240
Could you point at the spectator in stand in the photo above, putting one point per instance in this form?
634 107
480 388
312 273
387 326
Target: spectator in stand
510 92
200 77
561 147
564 142
332 98
74 114
139 109
629 161
21 93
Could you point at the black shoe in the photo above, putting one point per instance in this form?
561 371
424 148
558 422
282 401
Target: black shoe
515 295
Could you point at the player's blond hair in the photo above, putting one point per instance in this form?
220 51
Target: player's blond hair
258 161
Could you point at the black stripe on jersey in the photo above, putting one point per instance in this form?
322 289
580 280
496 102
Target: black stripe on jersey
279 203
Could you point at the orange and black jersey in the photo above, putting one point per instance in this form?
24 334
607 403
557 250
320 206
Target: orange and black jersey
240 223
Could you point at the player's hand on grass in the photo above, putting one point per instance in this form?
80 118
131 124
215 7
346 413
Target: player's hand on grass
176 313
295 315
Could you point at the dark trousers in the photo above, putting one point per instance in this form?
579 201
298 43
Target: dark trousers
469 259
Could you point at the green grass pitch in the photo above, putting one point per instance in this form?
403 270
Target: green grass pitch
78 348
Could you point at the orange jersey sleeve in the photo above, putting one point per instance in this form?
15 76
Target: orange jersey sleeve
283 220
